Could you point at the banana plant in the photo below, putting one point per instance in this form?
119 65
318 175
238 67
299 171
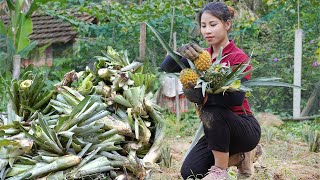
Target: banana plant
18 28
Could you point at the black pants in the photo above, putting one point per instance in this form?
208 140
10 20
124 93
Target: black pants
224 132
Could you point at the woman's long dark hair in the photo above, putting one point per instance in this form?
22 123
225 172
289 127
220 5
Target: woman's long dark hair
217 9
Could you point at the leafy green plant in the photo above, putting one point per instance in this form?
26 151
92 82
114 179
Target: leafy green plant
17 30
166 157
187 125
311 136
274 53
269 133
5 79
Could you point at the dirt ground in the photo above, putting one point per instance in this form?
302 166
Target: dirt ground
282 159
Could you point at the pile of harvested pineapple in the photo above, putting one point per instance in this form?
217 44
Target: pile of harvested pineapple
103 124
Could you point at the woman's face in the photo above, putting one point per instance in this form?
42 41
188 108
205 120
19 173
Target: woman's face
213 29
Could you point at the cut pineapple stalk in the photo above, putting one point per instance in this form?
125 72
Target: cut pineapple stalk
60 164
18 169
96 170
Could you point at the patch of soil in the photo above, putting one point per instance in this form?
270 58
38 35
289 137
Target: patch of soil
179 147
281 160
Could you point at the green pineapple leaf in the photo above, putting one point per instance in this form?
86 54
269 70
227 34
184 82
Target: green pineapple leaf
251 83
204 87
167 47
191 64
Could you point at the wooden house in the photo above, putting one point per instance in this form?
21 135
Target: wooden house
53 35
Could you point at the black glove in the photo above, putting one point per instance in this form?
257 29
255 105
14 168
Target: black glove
170 66
194 94
190 51
227 99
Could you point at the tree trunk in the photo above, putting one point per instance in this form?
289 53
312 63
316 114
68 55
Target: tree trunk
16 66
301 118
171 26
311 100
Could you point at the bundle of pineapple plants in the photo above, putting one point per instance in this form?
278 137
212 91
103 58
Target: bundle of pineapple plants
215 77
99 122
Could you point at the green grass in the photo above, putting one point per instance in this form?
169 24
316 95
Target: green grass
286 156
297 127
296 130
187 125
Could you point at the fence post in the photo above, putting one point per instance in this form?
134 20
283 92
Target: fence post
142 41
177 98
143 35
297 73
174 38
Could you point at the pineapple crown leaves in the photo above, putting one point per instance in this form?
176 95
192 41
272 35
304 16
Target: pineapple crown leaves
234 75
113 58
203 85
132 66
237 70
193 67
234 86
273 81
240 68
28 91
219 57
86 83
121 80
166 46
223 68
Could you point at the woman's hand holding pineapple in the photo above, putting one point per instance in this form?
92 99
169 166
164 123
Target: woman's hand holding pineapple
190 51
194 94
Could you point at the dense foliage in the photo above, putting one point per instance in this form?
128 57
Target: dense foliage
272 39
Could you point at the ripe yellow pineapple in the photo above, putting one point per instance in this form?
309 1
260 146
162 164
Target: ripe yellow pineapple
203 62
188 76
